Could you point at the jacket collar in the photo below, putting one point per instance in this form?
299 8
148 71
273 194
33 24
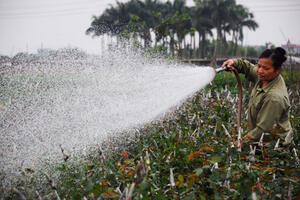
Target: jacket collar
270 84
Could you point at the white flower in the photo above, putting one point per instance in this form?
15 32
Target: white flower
254 197
172 182
261 140
289 137
277 144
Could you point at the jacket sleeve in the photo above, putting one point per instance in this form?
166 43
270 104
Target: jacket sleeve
247 68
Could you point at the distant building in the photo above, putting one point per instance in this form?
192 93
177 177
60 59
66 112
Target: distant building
292 49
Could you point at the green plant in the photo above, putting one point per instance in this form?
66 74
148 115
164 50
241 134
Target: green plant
186 155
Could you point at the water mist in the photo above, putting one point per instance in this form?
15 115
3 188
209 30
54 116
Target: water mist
70 98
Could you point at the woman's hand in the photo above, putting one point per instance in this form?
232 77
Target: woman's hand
228 64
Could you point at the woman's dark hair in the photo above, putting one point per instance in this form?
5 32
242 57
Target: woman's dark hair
277 55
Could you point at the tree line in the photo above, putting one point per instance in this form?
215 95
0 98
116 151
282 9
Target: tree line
215 25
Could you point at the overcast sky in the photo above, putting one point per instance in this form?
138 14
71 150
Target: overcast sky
26 25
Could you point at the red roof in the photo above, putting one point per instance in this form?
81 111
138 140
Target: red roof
291 45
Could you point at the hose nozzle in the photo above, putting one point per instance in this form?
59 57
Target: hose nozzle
221 69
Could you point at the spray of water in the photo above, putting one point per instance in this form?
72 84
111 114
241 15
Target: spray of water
70 98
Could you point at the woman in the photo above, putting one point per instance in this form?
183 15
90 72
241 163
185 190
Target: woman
268 109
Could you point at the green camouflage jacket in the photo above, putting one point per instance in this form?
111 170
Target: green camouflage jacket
268 109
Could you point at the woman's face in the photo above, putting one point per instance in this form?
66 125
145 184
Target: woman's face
265 70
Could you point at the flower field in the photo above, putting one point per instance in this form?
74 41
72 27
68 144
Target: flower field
192 153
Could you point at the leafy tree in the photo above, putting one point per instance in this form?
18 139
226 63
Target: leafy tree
220 15
241 18
202 23
172 21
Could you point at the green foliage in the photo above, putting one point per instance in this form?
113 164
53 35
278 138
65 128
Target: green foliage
186 155
172 21
291 77
240 50
252 52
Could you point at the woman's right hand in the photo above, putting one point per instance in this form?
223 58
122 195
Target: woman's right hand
229 64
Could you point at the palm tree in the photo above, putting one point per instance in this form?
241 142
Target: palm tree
145 11
176 22
111 22
202 23
220 16
182 24
172 21
241 18
131 14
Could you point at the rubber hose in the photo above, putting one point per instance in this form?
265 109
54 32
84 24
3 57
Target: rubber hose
240 100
